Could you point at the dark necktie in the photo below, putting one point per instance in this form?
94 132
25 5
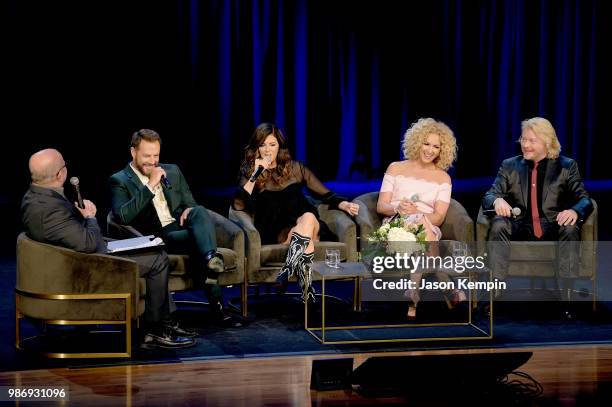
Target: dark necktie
535 216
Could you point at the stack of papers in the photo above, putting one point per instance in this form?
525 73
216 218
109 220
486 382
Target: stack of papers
135 243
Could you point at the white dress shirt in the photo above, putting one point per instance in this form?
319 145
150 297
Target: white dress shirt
159 200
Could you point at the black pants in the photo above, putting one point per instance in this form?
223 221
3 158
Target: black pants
503 230
154 267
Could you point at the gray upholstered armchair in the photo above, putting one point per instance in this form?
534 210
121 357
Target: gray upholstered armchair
61 286
457 226
264 261
230 243
537 259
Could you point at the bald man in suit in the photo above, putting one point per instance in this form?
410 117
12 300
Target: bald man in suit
49 217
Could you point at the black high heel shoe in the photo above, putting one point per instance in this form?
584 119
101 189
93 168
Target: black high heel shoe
282 281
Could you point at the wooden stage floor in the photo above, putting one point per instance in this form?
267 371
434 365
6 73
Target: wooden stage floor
576 375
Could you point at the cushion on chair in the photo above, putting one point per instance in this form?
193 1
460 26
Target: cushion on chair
537 259
532 251
182 280
273 255
179 263
231 245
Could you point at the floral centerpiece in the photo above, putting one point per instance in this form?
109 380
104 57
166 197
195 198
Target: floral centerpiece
399 236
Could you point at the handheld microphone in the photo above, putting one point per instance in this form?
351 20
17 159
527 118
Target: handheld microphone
75 183
516 211
257 173
165 182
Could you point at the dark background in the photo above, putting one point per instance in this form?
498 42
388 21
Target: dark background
344 79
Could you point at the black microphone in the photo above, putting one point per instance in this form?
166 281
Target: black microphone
165 182
257 173
75 183
516 211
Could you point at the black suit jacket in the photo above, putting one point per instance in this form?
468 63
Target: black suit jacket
48 217
132 202
563 188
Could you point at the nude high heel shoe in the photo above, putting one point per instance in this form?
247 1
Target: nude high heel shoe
414 297
454 298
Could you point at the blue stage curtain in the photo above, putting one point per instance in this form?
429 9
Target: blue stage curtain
344 79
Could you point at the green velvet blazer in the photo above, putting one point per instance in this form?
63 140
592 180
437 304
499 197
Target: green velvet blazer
132 201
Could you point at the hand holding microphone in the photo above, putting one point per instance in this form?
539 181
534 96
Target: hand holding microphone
89 210
502 208
86 207
407 207
74 181
261 164
158 176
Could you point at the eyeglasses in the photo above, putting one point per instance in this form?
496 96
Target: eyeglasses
61 168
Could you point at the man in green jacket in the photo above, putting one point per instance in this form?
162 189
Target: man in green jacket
155 199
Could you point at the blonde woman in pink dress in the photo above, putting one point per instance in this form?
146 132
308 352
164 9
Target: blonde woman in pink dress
419 188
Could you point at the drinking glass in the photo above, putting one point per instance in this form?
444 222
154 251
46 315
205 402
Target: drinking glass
460 249
332 258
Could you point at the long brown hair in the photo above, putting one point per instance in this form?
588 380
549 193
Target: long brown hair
283 159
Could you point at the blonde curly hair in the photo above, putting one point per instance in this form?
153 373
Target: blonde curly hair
417 134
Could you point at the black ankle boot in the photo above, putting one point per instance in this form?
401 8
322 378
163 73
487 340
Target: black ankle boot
214 261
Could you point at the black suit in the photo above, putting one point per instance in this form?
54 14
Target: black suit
560 188
49 217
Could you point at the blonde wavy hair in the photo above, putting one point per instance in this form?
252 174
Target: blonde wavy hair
545 130
417 134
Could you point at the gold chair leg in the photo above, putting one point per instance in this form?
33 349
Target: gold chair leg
244 291
355 293
128 325
594 291
17 323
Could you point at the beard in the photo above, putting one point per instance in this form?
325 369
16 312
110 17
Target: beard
145 169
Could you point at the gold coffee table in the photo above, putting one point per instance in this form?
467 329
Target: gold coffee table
329 334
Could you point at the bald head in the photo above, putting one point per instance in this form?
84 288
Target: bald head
44 166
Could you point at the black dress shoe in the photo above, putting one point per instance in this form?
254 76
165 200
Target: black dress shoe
483 309
223 318
568 315
214 262
165 339
179 330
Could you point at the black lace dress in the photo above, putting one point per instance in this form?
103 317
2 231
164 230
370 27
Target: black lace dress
276 207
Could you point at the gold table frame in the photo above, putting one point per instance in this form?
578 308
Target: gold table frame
319 332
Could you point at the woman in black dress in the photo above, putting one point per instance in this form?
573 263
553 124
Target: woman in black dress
281 211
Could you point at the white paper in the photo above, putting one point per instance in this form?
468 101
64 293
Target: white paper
134 243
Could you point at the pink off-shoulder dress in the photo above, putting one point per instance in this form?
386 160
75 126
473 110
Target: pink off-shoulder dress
424 193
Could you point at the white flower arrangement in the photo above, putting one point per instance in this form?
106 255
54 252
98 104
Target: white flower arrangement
400 236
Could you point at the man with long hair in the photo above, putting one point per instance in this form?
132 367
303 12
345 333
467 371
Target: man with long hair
549 189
